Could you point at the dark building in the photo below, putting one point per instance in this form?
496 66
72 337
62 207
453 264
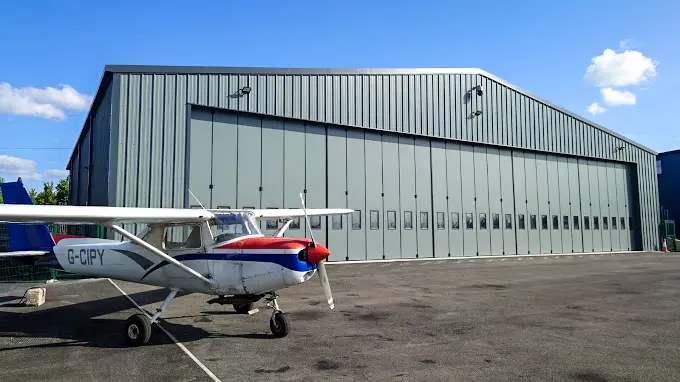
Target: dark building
668 173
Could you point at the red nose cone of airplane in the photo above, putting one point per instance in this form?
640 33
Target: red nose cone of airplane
317 254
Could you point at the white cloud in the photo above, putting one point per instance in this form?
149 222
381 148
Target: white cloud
13 167
617 97
594 108
627 68
56 174
48 103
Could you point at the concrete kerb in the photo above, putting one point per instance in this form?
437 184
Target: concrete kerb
473 258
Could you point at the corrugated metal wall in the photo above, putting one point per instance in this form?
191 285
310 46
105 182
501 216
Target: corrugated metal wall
413 209
89 167
151 113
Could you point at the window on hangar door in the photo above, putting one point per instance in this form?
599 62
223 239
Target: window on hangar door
520 222
455 220
508 221
408 220
391 219
356 219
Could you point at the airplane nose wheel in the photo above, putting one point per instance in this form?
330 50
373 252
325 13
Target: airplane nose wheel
279 322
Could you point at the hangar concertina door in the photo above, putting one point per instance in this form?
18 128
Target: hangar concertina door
413 196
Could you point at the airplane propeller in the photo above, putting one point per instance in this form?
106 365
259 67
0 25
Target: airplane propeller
323 276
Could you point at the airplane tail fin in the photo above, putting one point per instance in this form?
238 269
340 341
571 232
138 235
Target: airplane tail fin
25 237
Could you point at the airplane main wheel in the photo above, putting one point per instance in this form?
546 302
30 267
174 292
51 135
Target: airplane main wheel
243 308
279 324
138 330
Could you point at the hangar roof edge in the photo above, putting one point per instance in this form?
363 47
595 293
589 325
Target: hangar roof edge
168 69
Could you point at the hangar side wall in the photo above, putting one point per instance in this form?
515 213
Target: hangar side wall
151 120
89 167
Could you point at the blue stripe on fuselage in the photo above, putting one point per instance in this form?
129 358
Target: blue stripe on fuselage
289 261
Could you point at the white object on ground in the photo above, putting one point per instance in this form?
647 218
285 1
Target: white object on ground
35 296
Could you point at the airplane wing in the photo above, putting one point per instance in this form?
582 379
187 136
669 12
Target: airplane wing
23 254
292 213
110 217
28 213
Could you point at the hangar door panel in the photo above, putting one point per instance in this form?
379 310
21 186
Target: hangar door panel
272 170
624 229
510 224
224 160
337 185
439 200
521 202
390 217
565 219
407 191
356 195
294 181
533 210
544 218
604 207
614 196
455 207
469 220
482 201
315 179
200 158
249 139
586 203
496 218
575 206
633 210
424 219
374 207
595 205
554 223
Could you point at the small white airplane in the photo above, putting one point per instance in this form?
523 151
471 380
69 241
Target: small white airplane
211 251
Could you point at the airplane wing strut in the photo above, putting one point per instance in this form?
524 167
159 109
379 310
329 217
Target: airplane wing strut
133 238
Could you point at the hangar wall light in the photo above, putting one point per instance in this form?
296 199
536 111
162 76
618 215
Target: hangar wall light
480 90
246 90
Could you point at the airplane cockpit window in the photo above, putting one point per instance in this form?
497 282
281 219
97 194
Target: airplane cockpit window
230 226
182 237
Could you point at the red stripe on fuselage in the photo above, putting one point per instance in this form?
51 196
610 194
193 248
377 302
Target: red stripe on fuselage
57 237
267 243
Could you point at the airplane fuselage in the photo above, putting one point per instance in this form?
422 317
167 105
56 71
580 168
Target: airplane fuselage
247 265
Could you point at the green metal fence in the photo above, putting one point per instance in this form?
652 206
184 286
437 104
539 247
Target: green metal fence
17 270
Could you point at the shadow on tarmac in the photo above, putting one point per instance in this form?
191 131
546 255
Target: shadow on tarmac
78 326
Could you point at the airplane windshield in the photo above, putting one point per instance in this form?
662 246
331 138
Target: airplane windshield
230 226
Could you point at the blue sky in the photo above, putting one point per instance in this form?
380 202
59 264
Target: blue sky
542 47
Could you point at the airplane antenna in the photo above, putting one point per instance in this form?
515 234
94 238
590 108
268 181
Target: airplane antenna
198 201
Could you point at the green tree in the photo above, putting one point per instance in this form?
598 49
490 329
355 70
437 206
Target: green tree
47 195
50 194
33 194
62 192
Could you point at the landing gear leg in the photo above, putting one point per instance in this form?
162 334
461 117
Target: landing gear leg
138 326
279 323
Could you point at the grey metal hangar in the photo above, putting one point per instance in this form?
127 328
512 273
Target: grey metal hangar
435 162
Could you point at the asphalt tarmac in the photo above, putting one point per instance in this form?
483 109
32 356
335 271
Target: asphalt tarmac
564 318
